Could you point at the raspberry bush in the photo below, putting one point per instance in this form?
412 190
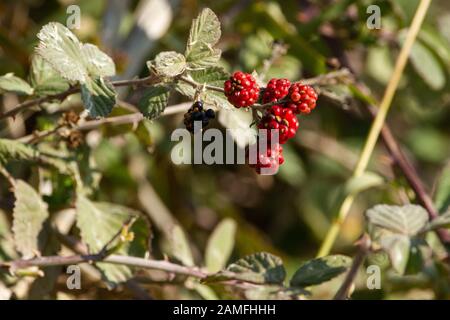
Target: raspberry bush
87 170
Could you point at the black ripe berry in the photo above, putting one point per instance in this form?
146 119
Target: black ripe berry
210 113
197 113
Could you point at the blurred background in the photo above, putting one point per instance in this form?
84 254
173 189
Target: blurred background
287 214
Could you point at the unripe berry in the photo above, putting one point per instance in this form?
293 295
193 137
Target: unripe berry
270 160
276 90
281 119
303 98
241 89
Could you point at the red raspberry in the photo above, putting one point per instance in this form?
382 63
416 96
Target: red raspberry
302 98
268 160
276 90
282 119
241 89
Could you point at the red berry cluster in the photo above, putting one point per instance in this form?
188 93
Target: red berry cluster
241 89
270 160
302 98
281 119
276 90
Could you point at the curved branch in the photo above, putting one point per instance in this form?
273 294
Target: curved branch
61 96
113 259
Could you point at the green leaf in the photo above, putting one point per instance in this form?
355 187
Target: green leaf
10 83
97 63
203 36
29 214
168 64
428 66
363 182
442 221
179 246
99 97
212 76
154 101
17 151
258 268
407 220
397 247
220 245
99 222
44 79
320 270
394 228
73 60
442 195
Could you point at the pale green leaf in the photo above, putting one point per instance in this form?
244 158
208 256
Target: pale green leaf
442 221
29 214
44 79
203 36
220 245
179 246
99 222
407 220
363 182
10 83
169 64
99 97
154 101
258 268
97 63
212 76
320 270
62 49
397 247
11 150
428 66
69 57
380 63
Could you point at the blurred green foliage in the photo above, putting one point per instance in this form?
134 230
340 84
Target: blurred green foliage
287 214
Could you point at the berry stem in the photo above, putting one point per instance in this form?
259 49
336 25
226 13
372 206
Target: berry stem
377 125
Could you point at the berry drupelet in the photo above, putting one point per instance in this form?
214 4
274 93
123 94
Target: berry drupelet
269 160
197 113
282 119
302 98
241 89
276 90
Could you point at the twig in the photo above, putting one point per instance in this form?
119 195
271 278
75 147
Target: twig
8 176
278 50
118 120
50 261
152 79
364 248
197 85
